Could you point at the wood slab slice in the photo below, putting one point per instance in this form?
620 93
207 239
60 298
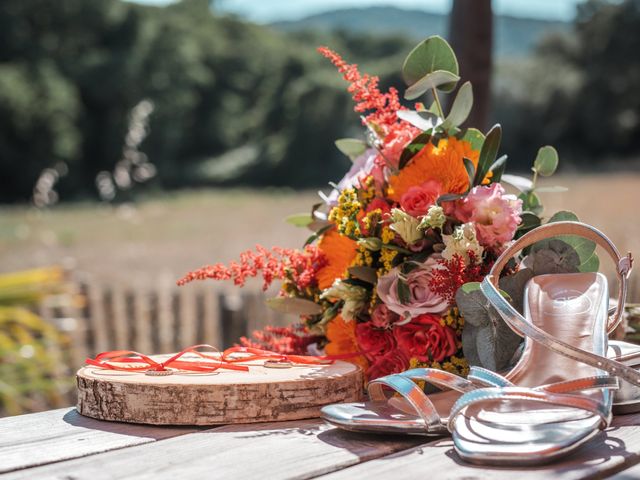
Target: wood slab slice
260 395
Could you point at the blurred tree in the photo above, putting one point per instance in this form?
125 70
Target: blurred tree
471 34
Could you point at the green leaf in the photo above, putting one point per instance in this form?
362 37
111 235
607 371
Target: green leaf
529 221
366 274
487 341
488 153
299 220
422 120
521 183
450 197
514 285
471 170
351 147
530 202
461 107
497 169
592 264
404 293
475 137
432 80
317 234
433 53
554 256
546 161
584 248
413 148
297 306
552 189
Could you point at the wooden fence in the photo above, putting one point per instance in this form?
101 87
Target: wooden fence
156 319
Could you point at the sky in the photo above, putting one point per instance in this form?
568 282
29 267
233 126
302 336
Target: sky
264 11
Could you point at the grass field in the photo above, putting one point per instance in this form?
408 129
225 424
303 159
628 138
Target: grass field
165 236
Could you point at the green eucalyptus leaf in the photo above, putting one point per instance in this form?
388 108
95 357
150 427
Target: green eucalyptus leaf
487 341
430 81
461 107
592 264
553 256
552 189
530 202
297 306
521 183
413 148
366 274
584 248
299 220
488 153
475 137
351 147
318 225
514 286
422 120
430 55
546 161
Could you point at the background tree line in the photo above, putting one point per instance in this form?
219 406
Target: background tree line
238 103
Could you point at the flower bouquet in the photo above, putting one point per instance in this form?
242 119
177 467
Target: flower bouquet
389 277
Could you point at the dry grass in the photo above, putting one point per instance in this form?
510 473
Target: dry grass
166 236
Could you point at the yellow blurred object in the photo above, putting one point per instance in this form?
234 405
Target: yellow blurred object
32 366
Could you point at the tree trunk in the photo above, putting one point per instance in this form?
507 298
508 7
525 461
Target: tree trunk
471 36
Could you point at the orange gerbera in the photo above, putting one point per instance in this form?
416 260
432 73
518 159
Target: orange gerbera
342 341
340 251
442 163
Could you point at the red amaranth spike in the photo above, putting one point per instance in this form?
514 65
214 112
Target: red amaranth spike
275 264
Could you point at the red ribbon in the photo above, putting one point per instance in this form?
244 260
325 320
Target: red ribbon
225 360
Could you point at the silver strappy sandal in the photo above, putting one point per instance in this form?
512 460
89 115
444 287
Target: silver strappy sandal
413 412
565 327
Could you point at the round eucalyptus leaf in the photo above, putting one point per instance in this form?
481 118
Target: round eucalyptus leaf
430 55
461 107
436 79
546 161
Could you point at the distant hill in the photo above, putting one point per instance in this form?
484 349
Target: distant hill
513 35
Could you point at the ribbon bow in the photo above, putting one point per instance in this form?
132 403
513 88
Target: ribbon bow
229 360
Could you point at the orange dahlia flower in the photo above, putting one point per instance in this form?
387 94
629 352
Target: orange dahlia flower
339 251
342 341
442 163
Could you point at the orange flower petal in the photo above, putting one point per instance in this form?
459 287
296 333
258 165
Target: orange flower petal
342 340
340 252
443 163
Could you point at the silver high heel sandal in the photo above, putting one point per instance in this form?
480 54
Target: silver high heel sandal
414 412
563 395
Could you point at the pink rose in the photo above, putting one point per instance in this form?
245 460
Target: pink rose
394 361
373 341
417 200
495 214
426 339
420 297
395 141
382 317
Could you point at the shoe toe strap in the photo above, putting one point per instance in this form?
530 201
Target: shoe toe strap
493 394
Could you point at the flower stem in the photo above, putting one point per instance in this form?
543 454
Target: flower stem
437 100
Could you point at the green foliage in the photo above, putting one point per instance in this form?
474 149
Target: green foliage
435 57
487 341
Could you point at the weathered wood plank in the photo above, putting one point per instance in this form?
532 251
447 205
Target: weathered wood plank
299 449
605 455
47 437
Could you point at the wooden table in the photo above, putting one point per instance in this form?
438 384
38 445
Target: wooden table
63 445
